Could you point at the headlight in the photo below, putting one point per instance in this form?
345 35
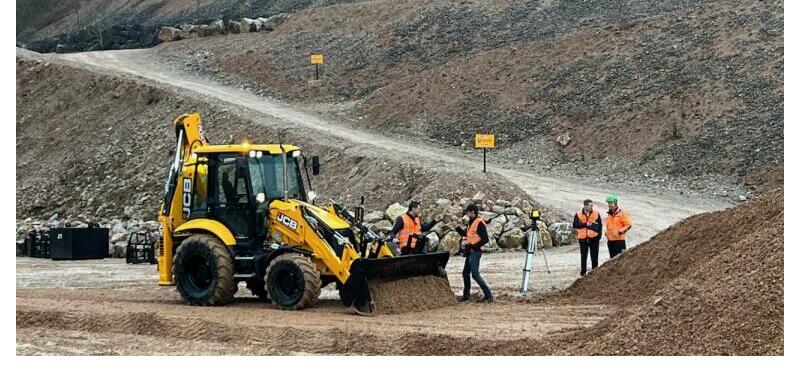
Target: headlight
295 153
311 196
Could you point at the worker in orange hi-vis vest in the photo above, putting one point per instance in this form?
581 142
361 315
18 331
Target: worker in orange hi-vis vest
407 229
618 224
589 227
476 236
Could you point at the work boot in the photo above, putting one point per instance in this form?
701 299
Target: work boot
486 300
463 299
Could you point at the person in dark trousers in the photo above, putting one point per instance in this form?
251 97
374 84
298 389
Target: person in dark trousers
618 223
407 228
589 227
476 236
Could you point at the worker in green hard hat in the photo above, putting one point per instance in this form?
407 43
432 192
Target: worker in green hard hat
618 223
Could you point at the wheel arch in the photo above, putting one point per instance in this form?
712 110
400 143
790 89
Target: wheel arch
207 226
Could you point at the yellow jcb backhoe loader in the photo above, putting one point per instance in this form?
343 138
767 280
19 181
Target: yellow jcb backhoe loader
240 213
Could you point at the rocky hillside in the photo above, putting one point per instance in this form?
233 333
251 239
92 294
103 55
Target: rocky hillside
94 148
683 94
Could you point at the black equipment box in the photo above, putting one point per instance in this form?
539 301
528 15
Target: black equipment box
78 243
37 244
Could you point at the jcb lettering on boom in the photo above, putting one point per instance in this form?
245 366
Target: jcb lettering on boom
187 197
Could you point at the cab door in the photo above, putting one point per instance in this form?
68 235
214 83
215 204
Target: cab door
232 203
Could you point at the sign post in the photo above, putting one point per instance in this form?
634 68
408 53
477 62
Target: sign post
484 141
317 59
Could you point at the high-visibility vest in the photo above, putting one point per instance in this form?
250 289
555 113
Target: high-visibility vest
594 217
410 226
615 222
472 232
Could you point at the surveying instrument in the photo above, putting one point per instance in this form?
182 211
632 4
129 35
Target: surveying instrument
533 239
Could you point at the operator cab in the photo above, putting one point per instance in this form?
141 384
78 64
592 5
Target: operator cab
234 184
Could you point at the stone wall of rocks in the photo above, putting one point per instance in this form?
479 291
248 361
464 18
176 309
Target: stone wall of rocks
508 223
219 27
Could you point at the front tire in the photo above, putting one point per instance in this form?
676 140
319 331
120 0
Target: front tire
203 270
293 282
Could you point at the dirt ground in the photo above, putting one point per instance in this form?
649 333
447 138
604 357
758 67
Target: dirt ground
107 307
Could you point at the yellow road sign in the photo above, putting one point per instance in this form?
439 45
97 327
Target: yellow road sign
484 141
317 59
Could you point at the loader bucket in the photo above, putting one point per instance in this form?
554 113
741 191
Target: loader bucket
367 274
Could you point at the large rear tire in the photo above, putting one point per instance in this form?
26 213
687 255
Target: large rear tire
293 282
203 270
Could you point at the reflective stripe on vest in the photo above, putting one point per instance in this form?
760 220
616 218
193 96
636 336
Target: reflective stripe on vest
472 232
410 226
586 232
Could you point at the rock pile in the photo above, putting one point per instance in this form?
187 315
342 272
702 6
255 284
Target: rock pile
508 223
220 27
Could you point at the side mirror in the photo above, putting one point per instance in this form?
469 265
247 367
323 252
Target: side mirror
315 165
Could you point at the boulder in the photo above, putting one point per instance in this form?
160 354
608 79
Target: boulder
118 249
118 237
169 34
561 233
564 139
189 31
487 215
455 209
395 210
270 23
373 216
117 227
218 25
441 228
503 203
249 25
443 203
432 243
512 221
526 207
383 226
511 239
498 209
209 30
451 242
495 227
463 202
479 197
234 27
491 246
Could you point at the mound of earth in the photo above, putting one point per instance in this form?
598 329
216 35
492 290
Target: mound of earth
711 284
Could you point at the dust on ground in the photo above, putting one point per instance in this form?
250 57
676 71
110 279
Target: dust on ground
107 307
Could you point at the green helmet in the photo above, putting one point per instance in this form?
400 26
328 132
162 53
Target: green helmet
611 198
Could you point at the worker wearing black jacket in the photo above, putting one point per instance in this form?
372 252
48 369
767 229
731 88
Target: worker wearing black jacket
590 228
407 228
476 236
